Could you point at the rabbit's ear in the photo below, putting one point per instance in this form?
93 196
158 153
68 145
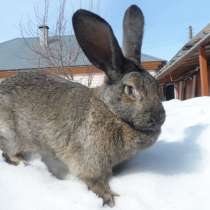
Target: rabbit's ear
133 29
96 38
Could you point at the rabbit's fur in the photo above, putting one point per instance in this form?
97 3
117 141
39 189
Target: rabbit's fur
79 130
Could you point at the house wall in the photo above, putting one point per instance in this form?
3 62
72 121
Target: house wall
198 86
185 89
190 87
87 75
193 86
90 80
209 78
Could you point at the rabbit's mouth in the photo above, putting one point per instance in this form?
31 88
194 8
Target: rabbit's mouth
146 128
154 128
150 129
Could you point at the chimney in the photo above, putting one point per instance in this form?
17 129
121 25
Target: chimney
43 35
190 32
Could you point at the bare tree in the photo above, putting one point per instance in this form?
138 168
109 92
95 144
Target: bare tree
58 51
90 79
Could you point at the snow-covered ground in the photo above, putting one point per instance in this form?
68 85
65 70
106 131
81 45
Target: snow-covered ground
173 174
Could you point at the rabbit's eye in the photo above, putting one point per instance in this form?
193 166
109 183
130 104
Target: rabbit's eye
132 92
129 90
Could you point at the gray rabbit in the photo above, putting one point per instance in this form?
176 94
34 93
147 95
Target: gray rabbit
82 131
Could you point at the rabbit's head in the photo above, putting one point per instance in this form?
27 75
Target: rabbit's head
129 91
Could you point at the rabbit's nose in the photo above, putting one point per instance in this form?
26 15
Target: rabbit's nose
152 122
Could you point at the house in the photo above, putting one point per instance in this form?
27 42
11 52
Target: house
56 55
187 74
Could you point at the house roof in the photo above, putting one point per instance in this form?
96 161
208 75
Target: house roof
26 53
187 57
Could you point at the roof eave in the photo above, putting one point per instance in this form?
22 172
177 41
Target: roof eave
169 68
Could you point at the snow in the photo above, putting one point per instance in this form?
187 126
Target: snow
173 174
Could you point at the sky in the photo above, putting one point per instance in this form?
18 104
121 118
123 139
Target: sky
166 22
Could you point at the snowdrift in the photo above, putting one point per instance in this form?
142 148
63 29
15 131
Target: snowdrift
173 174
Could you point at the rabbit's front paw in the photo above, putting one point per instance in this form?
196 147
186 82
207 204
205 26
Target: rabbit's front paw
108 198
101 187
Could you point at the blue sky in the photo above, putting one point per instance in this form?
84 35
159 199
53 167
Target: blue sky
166 28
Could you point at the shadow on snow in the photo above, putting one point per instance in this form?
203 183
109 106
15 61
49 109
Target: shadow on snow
168 158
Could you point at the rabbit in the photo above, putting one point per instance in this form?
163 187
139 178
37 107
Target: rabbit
79 130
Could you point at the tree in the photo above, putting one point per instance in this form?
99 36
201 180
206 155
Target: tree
58 51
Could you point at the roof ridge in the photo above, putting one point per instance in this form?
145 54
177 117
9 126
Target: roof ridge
33 37
151 56
10 40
